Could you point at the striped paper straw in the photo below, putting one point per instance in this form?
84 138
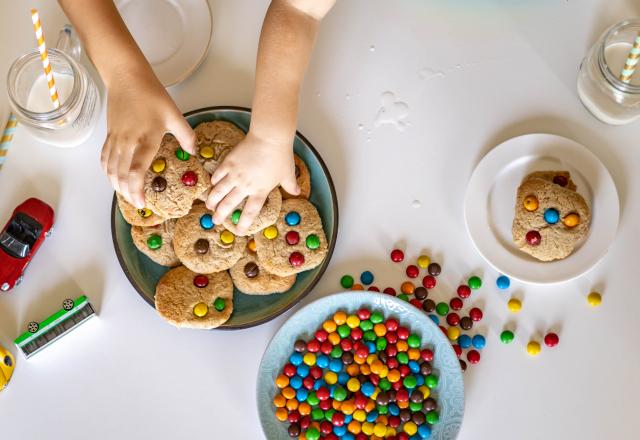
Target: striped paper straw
42 47
7 137
632 61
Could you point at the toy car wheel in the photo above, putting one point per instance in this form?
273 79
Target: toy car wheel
67 304
19 280
7 361
33 327
4 287
49 232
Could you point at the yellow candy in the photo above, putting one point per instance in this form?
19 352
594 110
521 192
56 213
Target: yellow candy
530 203
375 393
144 213
410 428
281 414
329 326
339 318
360 415
533 348
379 429
453 333
270 233
158 165
353 384
383 373
200 310
227 237
425 391
309 359
251 245
594 299
571 220
354 427
390 432
282 381
371 358
514 305
423 261
207 152
367 428
353 321
330 377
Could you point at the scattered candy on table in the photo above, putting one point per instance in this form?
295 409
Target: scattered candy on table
514 305
507 337
503 282
551 339
594 299
533 348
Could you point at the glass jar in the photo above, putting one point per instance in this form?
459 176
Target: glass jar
71 123
599 86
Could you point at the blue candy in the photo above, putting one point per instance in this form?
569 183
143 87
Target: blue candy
367 389
343 378
394 410
464 341
551 216
348 436
206 221
295 382
414 366
419 380
322 361
319 384
371 347
503 282
296 359
435 319
302 394
366 277
479 342
340 430
303 370
292 218
424 431
372 416
348 419
335 365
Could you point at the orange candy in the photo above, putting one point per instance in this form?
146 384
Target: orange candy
402 405
380 329
289 393
292 404
334 338
279 401
354 427
414 354
281 414
339 317
357 287
329 326
353 370
365 369
407 287
402 345
282 381
304 408
393 376
348 407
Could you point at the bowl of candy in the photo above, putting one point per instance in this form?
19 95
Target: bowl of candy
359 365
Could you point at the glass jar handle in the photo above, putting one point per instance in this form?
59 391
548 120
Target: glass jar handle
69 42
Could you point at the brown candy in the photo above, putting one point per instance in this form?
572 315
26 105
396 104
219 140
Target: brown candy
428 305
201 246
434 269
159 184
251 270
425 369
420 292
382 399
429 404
417 396
466 323
405 415
418 418
300 346
347 358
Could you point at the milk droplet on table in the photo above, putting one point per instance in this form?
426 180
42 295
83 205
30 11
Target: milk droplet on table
392 112
39 100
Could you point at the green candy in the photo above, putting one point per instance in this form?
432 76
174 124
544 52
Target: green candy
369 336
506 337
312 399
346 281
336 352
402 358
413 341
403 297
235 217
442 309
384 384
376 317
219 304
182 155
409 382
339 394
366 325
381 344
415 407
312 433
431 381
474 282
329 414
317 414
431 417
313 242
154 242
344 331
382 409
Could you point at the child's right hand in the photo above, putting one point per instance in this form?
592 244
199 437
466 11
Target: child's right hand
139 113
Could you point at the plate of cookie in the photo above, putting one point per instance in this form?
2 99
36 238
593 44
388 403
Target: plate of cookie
202 275
542 209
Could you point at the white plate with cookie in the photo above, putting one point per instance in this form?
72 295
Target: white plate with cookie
490 207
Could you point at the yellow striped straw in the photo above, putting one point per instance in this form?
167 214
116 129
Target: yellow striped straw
632 61
42 47
7 137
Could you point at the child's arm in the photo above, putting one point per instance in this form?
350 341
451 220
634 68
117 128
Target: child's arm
140 111
264 159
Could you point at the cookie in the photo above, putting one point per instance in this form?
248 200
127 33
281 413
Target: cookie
550 221
267 216
204 247
562 178
135 216
174 180
250 278
190 300
303 177
295 243
156 242
214 141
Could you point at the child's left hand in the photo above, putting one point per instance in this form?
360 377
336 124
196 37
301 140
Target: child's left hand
251 170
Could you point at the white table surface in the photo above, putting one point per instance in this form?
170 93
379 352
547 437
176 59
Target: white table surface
509 68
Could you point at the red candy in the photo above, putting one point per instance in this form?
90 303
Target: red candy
325 405
412 271
321 335
453 319
289 370
404 370
533 238
464 291
346 344
326 427
296 259
391 337
456 304
391 325
473 356
337 419
189 178
403 436
201 281
292 237
315 372
313 346
326 347
416 303
394 421
403 333
426 355
362 352
305 422
373 289
392 362
308 382
356 334
294 416
457 349
391 350
390 291
322 393
429 282
397 255
402 396
551 340
475 314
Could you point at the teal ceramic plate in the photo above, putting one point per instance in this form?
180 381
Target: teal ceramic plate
303 324
248 310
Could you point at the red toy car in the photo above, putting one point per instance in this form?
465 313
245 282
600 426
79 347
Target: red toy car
21 237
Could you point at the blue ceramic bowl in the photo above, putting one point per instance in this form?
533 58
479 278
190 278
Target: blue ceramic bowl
248 310
303 324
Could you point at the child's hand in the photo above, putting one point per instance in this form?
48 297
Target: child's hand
140 112
251 170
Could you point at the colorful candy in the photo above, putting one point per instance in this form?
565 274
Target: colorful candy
292 218
182 155
503 282
533 238
571 220
551 339
227 237
158 165
434 269
551 216
507 336
270 232
530 203
366 277
474 282
312 241
154 242
424 261
206 221
429 282
412 271
594 299
235 217
514 305
397 256
189 178
533 348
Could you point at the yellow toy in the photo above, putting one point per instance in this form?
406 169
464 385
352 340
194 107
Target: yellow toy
7 363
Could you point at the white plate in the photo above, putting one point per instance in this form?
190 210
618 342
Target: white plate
174 35
490 199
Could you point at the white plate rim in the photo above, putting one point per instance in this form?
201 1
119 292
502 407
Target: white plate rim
509 151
